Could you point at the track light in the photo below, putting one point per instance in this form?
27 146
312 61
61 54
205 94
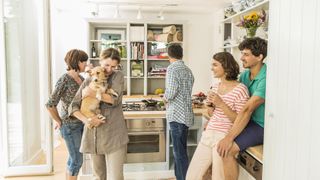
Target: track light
116 13
96 10
139 15
160 15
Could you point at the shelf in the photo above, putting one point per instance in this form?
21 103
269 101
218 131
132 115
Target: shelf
179 42
190 142
262 5
97 59
233 45
136 59
230 46
158 59
109 41
136 41
156 77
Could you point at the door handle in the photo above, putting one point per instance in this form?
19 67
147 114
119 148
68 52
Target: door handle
144 133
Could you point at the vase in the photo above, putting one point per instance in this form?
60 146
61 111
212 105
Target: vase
251 31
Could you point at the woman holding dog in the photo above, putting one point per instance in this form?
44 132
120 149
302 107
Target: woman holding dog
71 128
227 98
107 141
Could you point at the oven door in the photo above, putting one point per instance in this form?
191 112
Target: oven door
146 147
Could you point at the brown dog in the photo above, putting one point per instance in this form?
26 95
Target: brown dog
90 105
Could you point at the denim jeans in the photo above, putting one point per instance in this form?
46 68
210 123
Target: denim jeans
179 134
72 133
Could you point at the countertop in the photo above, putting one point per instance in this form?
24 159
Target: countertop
156 114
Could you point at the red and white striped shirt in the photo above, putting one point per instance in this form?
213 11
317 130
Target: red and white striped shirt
235 99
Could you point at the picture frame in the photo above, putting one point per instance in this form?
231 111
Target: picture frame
111 34
114 38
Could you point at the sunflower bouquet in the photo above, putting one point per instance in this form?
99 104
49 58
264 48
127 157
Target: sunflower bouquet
252 21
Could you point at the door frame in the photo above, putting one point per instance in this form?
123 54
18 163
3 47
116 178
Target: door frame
43 8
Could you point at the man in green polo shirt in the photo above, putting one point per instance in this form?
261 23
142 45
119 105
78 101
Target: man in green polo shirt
247 129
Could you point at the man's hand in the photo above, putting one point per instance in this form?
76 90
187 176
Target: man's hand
224 146
163 99
88 92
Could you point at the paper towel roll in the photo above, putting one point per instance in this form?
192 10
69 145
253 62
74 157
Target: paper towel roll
169 29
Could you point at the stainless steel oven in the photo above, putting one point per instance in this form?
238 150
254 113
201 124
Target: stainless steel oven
146 140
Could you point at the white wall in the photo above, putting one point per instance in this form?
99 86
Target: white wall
69 31
292 145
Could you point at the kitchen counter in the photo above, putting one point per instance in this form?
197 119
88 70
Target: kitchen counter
256 151
157 114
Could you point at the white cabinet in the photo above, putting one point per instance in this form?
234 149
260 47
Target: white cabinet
244 175
143 50
231 35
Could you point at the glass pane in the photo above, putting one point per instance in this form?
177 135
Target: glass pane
26 135
143 144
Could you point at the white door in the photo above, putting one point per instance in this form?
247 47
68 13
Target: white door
24 57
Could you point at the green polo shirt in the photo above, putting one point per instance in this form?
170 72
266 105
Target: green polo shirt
257 87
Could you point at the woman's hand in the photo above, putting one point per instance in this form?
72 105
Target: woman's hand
96 121
210 110
215 99
58 125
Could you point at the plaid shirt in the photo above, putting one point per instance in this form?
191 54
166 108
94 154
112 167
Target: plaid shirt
179 83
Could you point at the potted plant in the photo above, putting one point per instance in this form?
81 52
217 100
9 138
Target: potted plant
252 22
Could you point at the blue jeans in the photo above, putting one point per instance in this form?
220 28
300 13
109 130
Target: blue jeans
179 134
72 133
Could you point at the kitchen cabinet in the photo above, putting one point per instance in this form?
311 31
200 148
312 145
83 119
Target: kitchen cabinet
143 50
193 139
231 35
244 175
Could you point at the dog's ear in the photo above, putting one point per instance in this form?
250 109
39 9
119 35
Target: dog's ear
89 72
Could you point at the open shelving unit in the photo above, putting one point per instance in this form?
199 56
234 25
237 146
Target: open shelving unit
236 17
235 34
143 61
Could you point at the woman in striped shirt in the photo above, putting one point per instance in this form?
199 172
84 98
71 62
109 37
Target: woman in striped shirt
227 99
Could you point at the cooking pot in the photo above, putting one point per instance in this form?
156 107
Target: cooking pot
149 102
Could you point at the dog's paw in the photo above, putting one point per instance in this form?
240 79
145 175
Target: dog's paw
101 117
113 93
98 96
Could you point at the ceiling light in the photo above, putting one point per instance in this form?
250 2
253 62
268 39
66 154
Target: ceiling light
116 13
96 10
139 15
160 15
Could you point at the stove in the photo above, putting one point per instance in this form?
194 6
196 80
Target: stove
140 106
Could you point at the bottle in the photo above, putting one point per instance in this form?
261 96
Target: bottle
93 51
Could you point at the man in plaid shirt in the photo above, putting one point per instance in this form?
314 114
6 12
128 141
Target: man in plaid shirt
179 83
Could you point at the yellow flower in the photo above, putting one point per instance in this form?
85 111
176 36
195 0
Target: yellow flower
253 19
247 17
